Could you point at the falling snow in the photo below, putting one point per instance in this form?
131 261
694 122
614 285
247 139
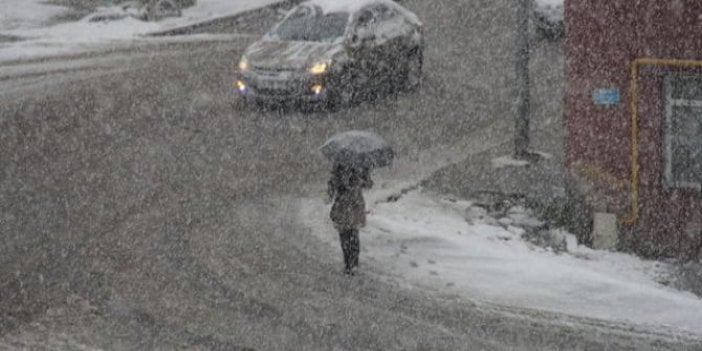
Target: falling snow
163 185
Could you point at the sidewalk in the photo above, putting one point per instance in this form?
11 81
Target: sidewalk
494 176
479 248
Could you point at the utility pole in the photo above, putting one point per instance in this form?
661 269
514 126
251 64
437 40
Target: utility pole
521 127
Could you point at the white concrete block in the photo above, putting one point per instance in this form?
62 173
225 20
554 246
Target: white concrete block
604 231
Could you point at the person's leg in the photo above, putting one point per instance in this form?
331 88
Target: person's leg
354 247
345 239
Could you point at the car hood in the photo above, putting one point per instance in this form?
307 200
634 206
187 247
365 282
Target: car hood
290 54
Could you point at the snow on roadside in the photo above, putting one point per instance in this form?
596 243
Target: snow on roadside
27 19
22 14
428 242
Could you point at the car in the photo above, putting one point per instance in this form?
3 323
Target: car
332 52
548 18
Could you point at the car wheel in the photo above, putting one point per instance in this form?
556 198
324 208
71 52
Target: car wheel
251 103
259 104
240 102
413 71
340 97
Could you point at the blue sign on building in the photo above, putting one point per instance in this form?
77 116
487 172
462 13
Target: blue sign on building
606 96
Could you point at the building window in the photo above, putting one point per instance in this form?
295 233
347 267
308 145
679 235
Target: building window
683 131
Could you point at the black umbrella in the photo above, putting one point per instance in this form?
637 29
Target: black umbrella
358 148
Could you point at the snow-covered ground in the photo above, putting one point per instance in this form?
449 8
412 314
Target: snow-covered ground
32 21
26 14
456 248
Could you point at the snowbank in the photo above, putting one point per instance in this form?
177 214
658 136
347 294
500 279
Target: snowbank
456 248
25 14
29 19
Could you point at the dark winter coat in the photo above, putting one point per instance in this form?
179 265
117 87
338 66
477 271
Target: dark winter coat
345 187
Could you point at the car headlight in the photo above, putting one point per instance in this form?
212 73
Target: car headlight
243 64
319 67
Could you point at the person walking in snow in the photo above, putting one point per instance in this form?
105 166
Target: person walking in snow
349 209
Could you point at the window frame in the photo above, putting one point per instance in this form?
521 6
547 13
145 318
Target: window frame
384 13
365 25
672 181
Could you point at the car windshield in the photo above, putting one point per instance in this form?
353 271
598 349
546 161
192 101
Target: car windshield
310 24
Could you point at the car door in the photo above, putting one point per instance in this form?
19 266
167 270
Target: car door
391 30
365 51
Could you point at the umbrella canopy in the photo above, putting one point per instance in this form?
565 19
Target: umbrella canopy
358 148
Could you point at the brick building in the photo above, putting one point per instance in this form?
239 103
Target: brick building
633 119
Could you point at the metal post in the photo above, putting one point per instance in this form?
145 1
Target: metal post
521 128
